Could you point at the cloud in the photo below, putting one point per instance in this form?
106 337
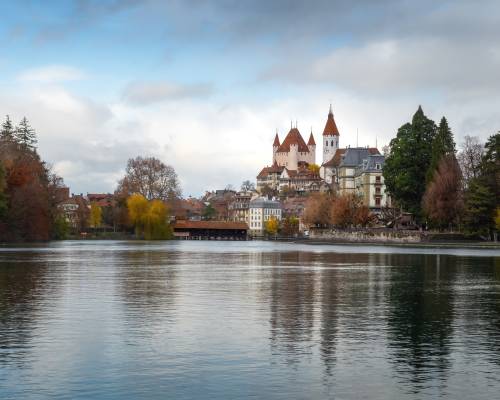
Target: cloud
145 93
51 74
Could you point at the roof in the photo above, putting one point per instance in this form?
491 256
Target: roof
330 126
372 161
293 138
335 161
262 202
354 156
275 168
183 224
311 141
276 142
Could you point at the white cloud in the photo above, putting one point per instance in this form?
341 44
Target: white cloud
145 93
51 74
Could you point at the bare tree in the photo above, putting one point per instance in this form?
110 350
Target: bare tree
470 157
247 186
151 178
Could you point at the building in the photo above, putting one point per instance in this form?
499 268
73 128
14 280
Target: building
260 211
294 150
352 159
210 230
239 206
369 183
331 137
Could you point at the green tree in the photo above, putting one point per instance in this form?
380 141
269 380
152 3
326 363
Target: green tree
483 194
442 145
406 166
7 131
208 212
25 134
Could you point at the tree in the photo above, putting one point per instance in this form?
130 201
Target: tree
317 209
25 134
208 212
151 178
406 166
290 226
3 197
268 191
483 193
443 201
247 186
272 226
95 215
150 218
470 157
443 145
314 168
7 131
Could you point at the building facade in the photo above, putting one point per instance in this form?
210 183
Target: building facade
260 211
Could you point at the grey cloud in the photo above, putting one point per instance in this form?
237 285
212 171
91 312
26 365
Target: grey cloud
146 93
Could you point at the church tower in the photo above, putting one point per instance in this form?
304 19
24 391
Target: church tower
276 144
330 137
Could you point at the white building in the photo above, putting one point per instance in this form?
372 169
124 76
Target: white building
260 211
330 137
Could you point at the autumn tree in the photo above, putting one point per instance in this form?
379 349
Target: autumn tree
348 210
95 215
314 168
151 178
150 218
406 167
443 200
3 197
290 226
469 158
272 226
317 209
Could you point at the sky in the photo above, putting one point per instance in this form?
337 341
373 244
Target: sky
204 85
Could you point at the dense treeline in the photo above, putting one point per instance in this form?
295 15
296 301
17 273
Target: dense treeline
424 176
28 189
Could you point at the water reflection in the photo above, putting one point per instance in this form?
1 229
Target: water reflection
194 320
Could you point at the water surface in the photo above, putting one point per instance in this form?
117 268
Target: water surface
238 320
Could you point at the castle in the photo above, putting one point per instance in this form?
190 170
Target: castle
293 158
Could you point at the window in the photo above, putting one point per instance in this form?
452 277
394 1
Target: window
377 201
377 179
377 166
327 143
331 143
377 190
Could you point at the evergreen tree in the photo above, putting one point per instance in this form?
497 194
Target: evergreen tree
406 167
7 132
483 194
25 134
442 145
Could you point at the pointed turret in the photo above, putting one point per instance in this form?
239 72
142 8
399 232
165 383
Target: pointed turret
311 141
330 126
330 137
276 141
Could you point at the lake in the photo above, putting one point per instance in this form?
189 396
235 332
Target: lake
241 320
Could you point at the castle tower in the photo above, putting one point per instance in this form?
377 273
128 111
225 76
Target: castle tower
330 137
276 144
293 156
311 145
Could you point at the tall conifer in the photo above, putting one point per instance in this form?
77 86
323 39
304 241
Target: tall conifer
7 131
25 134
442 145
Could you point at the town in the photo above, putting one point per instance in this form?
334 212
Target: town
418 184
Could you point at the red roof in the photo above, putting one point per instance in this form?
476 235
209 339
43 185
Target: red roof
311 141
275 168
331 126
335 161
276 141
183 224
293 138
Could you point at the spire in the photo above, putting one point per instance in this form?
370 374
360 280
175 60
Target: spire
331 127
311 141
276 140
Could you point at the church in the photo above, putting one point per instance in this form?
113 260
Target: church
293 158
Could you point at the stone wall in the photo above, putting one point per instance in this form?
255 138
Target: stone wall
369 235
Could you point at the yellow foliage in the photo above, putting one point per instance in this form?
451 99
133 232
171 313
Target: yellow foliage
272 225
497 219
95 215
314 168
149 217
